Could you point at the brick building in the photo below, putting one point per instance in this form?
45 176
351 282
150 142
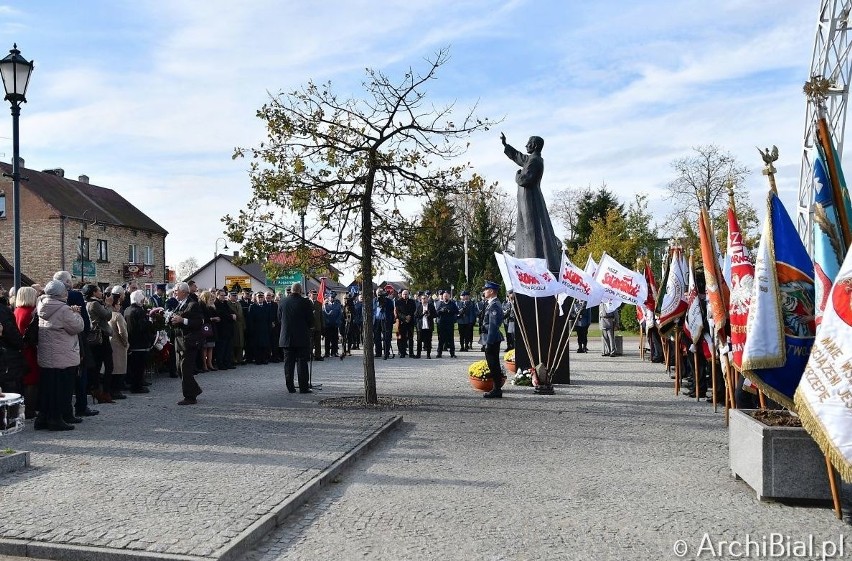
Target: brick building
62 218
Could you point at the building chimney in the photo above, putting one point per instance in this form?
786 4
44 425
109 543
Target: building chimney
20 162
236 253
83 179
58 172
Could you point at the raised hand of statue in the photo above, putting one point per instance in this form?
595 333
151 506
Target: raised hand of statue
503 138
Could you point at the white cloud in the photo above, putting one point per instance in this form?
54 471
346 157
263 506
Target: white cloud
152 103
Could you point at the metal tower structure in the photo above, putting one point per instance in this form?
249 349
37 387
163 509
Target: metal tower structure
832 59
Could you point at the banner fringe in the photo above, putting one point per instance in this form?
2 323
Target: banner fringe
814 427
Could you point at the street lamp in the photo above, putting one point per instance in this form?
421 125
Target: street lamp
16 71
216 260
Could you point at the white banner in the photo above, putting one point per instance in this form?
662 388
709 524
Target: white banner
693 323
530 277
620 283
824 395
578 283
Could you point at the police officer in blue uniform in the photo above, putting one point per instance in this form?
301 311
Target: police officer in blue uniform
491 336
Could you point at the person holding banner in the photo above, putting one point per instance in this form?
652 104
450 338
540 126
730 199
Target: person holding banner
583 319
491 337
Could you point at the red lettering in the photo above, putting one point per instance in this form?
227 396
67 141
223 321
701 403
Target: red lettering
623 284
526 278
574 278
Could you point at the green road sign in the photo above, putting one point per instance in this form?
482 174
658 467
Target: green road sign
89 269
286 279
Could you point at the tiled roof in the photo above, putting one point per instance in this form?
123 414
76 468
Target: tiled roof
73 199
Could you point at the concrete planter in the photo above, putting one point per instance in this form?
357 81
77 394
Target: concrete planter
777 462
14 461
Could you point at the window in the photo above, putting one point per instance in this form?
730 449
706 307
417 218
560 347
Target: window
147 255
84 248
132 254
2 205
103 250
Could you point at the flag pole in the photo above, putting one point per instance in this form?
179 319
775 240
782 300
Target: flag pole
550 349
561 355
835 494
817 91
713 373
695 368
557 356
677 357
520 319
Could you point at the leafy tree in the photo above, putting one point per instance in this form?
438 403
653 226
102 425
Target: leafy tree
434 252
483 243
593 206
346 164
703 179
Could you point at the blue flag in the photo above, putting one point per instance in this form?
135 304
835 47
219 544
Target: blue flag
829 248
781 322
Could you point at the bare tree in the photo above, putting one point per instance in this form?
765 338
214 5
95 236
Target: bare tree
332 172
565 207
186 268
702 179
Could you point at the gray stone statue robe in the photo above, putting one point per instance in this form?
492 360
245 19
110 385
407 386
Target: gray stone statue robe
534 236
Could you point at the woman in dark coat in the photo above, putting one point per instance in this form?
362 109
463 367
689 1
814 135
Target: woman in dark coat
257 330
140 337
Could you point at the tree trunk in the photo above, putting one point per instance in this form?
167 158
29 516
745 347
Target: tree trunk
370 395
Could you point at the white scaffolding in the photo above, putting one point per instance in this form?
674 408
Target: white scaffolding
831 59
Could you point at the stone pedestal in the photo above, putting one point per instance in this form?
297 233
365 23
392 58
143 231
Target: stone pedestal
550 326
777 462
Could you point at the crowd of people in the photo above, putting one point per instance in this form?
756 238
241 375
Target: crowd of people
64 344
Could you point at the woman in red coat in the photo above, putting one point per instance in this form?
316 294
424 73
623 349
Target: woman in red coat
25 301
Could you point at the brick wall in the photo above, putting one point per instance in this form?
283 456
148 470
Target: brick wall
41 247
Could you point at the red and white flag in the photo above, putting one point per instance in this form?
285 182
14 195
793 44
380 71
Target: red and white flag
529 277
619 283
823 397
693 322
579 284
742 283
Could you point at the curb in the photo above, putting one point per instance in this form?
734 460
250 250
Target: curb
254 533
14 461
238 547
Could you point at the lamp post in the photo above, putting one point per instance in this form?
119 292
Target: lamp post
216 260
16 71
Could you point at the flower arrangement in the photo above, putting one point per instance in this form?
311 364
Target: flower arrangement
158 318
522 378
479 370
509 356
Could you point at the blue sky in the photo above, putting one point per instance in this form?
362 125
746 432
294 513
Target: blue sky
150 98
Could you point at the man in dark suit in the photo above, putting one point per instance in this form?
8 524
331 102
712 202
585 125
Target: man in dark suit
492 336
187 320
296 316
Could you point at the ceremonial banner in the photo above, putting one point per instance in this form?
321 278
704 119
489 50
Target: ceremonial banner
673 304
693 322
717 291
824 396
781 315
321 291
620 283
742 283
829 247
578 283
530 277
651 301
591 267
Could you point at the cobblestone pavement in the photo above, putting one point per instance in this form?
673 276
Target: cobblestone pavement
613 466
148 475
